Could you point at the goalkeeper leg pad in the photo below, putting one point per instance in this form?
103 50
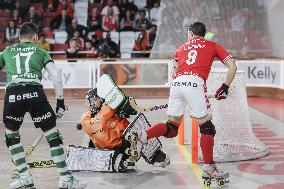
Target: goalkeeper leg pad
207 128
172 129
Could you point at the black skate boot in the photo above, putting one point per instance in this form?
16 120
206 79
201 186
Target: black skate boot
160 159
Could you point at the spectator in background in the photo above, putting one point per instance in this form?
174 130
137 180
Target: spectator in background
238 22
76 27
7 5
72 51
12 32
150 3
108 48
91 51
96 40
50 5
127 22
24 6
154 13
110 21
94 20
80 41
16 17
60 22
125 6
112 5
33 17
141 21
43 43
144 42
65 5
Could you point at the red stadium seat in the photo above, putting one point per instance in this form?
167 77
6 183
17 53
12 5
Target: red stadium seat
3 22
60 47
2 36
4 14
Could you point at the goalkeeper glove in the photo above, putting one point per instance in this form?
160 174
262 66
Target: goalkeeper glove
222 92
60 109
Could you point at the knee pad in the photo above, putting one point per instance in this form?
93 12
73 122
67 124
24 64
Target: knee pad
207 128
12 138
172 129
54 138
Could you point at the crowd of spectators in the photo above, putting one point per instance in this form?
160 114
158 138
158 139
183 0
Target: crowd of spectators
104 16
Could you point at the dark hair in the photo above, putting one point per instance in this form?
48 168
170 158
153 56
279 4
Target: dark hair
197 28
149 26
27 30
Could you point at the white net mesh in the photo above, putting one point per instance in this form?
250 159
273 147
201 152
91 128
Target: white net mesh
243 27
234 140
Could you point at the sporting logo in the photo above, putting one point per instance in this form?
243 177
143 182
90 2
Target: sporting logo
12 98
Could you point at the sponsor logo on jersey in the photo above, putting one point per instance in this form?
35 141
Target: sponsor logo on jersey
97 131
24 96
184 84
19 119
43 117
12 98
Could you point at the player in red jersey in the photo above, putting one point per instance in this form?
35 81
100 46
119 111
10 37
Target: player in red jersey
194 59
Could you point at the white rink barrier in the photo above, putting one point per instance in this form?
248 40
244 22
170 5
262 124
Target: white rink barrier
147 73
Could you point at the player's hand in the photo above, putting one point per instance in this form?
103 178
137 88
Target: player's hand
60 109
222 92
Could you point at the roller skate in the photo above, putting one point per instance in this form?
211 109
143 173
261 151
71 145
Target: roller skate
212 173
123 164
160 159
70 182
22 181
132 149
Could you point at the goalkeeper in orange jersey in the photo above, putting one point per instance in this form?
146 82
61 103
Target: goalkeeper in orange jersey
107 129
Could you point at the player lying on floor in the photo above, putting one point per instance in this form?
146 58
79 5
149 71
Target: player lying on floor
112 134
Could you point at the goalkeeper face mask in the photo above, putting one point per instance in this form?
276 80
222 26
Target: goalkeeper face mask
93 101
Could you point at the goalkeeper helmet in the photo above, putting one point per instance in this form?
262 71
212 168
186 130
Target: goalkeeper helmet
93 101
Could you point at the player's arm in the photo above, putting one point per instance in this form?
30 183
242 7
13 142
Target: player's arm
229 62
55 76
2 62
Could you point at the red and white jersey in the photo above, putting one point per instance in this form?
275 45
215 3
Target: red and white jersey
196 56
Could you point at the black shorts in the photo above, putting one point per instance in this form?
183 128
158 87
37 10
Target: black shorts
27 98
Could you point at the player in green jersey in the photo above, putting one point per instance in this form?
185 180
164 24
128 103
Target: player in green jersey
24 62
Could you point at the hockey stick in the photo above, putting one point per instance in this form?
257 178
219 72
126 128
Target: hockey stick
152 108
145 109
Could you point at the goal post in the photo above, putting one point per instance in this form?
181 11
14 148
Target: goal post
234 140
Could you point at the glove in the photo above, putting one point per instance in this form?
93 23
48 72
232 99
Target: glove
125 110
222 92
60 109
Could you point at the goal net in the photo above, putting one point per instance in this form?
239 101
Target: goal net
234 140
247 28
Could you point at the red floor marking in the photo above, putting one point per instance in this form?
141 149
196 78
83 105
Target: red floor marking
259 169
272 186
270 106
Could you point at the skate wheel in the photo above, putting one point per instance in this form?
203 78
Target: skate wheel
207 183
220 182
127 151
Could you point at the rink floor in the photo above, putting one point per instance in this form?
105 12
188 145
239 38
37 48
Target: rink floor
266 173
